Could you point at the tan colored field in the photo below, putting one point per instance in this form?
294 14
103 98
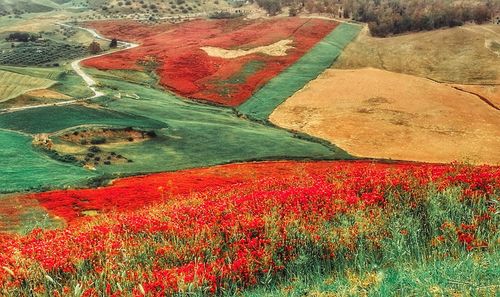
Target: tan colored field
381 114
47 94
458 55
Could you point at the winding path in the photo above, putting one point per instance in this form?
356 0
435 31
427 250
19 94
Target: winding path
75 65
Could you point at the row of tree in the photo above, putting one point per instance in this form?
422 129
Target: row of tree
386 17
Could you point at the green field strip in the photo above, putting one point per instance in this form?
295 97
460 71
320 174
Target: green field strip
295 77
54 118
22 167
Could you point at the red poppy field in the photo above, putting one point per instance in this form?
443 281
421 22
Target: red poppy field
135 192
175 52
227 229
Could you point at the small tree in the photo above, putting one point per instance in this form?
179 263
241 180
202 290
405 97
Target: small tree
94 47
113 43
273 7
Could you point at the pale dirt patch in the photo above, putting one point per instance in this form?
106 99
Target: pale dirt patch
277 49
381 114
47 94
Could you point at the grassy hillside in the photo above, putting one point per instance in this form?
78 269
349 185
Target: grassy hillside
25 168
459 55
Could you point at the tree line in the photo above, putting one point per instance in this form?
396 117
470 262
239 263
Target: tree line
398 16
387 17
23 37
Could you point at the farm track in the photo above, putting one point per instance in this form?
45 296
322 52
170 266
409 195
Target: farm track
75 65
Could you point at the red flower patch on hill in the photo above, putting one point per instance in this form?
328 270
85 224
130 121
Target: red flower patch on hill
268 221
185 68
136 192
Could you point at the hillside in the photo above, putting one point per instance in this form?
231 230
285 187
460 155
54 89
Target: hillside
463 55
27 6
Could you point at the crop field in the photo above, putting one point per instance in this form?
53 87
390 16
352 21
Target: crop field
13 84
360 227
46 73
65 81
380 117
180 56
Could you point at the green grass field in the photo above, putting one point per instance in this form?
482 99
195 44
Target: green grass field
200 135
294 78
25 168
54 118
188 134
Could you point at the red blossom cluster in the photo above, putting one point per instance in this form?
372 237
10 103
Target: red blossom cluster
234 235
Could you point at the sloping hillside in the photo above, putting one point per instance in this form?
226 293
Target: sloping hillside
27 6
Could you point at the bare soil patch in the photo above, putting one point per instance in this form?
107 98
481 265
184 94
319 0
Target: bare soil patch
277 49
381 114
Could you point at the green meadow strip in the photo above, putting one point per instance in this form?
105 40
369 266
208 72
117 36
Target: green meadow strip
294 78
23 167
